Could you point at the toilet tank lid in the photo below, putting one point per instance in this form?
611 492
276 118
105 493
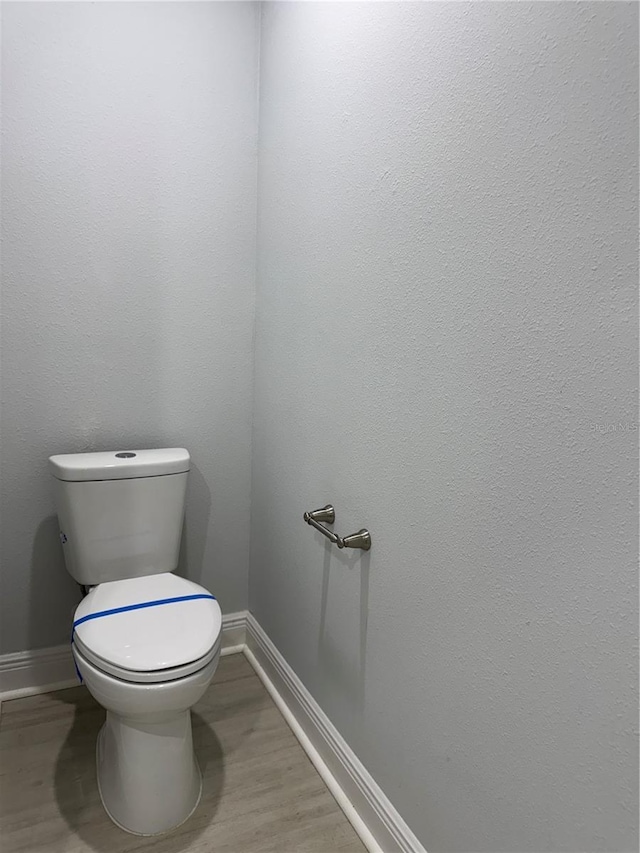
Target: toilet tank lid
119 464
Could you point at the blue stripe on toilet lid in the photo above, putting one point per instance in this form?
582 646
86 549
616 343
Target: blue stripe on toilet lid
138 606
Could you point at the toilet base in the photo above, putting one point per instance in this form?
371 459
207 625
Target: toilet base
148 778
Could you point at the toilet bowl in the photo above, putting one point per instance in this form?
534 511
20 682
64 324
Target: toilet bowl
148 776
147 649
146 642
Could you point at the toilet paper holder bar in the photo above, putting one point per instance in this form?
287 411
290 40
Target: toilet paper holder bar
361 539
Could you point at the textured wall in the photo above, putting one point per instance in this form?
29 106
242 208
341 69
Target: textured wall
446 304
129 174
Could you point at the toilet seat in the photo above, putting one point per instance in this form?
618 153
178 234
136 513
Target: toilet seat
155 676
148 630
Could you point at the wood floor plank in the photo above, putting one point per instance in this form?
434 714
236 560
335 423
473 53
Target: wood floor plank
261 794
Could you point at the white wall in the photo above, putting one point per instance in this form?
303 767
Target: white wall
447 285
129 177
446 303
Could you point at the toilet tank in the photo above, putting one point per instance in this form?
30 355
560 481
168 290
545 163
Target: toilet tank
120 512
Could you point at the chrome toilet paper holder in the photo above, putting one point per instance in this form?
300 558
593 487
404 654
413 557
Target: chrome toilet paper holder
361 539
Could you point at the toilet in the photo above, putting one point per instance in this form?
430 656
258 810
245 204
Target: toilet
146 642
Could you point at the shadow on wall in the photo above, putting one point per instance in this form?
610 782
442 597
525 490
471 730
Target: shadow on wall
346 674
53 594
194 532
76 788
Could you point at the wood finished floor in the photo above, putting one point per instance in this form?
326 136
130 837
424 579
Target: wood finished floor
260 791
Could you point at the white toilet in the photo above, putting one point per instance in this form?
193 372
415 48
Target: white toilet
146 642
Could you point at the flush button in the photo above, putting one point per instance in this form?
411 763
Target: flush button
125 455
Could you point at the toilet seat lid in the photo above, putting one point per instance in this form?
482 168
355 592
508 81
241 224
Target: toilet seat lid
157 637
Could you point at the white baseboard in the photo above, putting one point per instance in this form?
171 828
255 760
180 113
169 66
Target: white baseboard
37 671
234 632
373 816
365 805
43 670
